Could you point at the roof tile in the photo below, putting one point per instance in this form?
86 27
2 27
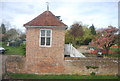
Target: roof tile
46 19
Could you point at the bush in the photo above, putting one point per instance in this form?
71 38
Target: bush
23 47
93 73
93 67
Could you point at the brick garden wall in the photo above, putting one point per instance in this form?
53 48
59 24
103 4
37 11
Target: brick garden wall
106 66
15 64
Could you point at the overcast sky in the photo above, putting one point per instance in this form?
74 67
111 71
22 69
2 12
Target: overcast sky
99 12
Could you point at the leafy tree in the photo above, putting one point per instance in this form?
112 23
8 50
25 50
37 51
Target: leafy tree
3 32
23 36
68 37
92 29
2 29
12 34
79 34
88 36
106 40
76 31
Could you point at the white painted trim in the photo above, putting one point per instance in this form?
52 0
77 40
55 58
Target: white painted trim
59 27
45 38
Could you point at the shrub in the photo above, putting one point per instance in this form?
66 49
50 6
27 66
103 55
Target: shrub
93 73
93 67
23 47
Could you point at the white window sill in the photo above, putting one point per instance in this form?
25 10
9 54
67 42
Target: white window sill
45 46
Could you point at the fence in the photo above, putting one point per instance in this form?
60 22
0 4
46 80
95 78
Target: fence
72 51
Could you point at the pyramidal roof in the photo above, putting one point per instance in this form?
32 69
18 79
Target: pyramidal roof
47 18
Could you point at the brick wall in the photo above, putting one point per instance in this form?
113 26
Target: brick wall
106 66
44 60
15 64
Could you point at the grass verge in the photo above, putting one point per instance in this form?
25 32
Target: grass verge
34 76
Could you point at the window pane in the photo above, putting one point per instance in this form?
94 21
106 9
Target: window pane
42 32
48 32
48 41
42 40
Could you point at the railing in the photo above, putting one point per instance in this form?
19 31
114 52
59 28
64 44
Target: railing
72 51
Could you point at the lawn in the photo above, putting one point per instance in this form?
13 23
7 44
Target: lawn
34 76
115 49
13 50
0 43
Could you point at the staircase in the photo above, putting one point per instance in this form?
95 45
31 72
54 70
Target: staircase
72 51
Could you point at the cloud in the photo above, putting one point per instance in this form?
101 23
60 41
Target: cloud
101 14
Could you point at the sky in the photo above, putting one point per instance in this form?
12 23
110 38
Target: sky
100 13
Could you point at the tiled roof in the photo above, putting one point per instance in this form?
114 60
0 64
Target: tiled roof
46 19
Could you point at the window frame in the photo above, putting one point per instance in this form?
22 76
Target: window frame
45 38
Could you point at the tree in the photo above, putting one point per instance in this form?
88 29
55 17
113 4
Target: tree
88 36
68 37
12 34
106 40
78 34
76 31
92 29
2 29
3 32
23 36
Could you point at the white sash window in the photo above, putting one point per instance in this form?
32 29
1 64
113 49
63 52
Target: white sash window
45 37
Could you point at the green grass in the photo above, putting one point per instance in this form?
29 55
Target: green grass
0 43
13 50
33 76
115 48
112 55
